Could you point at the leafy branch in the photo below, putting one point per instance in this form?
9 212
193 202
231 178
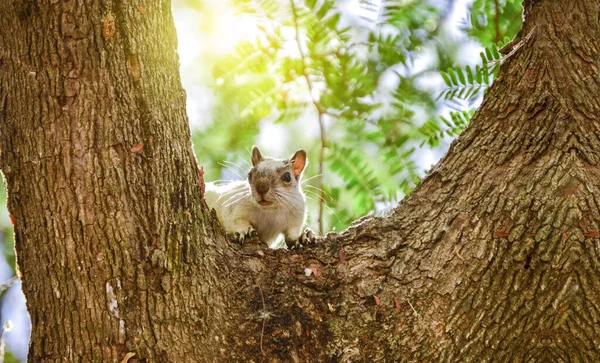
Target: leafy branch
468 82
305 60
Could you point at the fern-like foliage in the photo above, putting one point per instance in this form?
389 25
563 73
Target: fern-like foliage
492 21
462 84
359 176
308 63
451 126
468 83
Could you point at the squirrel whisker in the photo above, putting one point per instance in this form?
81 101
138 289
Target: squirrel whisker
311 178
268 202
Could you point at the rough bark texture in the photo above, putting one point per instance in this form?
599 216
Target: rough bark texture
494 257
114 252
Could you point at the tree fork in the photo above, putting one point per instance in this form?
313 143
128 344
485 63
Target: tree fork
115 254
493 257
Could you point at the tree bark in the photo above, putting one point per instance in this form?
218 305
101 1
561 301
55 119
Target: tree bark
494 257
113 249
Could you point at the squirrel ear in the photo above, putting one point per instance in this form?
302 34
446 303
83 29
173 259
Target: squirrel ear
299 161
256 155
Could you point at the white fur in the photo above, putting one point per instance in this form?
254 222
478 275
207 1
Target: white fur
238 209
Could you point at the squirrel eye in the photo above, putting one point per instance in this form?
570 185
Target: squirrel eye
250 176
286 177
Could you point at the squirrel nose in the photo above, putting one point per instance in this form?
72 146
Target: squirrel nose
262 188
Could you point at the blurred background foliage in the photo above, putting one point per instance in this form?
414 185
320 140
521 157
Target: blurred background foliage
374 90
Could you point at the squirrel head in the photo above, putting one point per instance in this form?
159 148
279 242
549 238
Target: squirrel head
276 182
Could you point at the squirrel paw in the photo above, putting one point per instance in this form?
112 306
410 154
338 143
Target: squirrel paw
308 237
242 235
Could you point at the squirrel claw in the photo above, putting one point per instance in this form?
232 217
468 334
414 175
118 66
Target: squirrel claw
307 237
252 232
292 244
240 237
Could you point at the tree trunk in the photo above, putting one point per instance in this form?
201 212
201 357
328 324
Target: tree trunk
494 257
113 249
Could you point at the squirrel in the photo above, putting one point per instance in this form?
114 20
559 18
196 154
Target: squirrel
270 202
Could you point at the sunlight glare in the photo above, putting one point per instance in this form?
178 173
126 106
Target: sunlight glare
227 29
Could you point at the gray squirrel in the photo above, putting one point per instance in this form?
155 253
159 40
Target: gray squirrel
270 202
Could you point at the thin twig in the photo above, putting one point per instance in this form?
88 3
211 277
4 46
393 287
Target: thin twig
512 48
321 161
320 111
5 328
497 21
8 283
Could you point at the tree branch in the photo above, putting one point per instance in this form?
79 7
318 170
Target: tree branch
321 113
498 36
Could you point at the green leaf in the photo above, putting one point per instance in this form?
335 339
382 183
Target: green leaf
446 79
461 76
470 75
